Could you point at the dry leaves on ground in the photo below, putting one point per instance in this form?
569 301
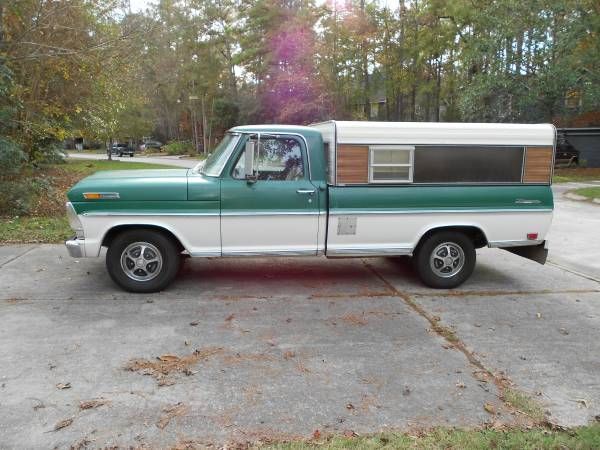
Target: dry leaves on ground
166 365
178 409
63 386
91 404
489 408
63 424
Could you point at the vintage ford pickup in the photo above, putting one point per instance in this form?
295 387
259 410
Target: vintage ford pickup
433 191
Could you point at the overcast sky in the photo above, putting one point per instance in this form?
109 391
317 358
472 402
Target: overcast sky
140 5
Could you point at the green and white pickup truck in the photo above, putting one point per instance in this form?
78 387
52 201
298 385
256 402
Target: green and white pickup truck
433 191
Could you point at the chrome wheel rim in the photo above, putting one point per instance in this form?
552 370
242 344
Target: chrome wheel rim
447 259
141 261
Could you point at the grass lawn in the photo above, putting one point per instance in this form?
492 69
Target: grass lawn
47 222
442 439
576 174
589 192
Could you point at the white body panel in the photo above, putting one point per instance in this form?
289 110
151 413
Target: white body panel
399 233
199 234
278 234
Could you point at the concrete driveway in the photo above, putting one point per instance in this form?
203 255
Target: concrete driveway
251 349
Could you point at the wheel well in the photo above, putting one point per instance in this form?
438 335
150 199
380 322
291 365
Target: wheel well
113 232
474 233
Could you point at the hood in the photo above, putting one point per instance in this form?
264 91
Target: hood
134 185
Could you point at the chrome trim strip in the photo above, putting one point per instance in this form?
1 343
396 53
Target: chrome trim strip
126 213
525 201
300 252
205 254
213 214
370 251
502 244
271 213
342 212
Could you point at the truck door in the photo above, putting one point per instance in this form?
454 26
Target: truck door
277 212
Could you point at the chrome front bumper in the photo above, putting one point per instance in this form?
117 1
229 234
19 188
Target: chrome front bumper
75 247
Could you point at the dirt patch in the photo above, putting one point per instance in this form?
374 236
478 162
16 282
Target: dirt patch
239 358
355 319
166 365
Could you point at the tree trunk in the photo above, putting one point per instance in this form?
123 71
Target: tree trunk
109 148
204 127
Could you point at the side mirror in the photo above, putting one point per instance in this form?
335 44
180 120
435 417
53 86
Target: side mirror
249 161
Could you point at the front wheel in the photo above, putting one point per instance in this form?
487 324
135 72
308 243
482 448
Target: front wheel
142 260
445 259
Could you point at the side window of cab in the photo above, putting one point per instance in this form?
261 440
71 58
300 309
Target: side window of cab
278 158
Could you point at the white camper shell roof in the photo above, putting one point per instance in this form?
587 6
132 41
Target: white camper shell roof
435 133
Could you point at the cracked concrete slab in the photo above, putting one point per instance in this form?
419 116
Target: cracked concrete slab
547 344
9 253
288 365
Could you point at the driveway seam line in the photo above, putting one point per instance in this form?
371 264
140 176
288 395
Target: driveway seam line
18 256
574 272
500 293
446 333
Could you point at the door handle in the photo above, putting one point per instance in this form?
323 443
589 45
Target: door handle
305 191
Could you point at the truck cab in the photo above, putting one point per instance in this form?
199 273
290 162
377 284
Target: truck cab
435 192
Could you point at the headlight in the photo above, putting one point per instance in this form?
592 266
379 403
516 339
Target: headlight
74 221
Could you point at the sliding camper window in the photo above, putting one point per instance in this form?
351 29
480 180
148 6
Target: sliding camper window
468 164
391 164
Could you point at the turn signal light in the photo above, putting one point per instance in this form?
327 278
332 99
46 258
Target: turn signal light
100 195
532 236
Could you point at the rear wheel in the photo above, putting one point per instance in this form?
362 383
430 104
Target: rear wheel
142 260
445 259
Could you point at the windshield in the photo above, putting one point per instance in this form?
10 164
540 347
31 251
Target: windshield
214 164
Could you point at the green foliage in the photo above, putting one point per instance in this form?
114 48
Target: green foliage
565 175
34 229
589 192
179 148
12 158
86 167
16 196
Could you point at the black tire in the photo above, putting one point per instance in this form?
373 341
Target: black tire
168 252
458 242
120 155
131 155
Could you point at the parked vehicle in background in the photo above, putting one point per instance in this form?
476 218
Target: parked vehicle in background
433 191
149 143
566 154
123 149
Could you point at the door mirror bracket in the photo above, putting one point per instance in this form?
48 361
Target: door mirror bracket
249 174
